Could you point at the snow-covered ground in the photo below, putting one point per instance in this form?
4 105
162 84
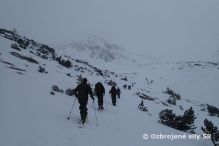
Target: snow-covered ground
31 116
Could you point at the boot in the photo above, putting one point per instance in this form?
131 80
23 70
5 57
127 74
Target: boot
83 120
99 107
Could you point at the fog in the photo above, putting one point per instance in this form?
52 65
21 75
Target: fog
166 29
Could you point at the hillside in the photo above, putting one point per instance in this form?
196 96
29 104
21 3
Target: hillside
31 115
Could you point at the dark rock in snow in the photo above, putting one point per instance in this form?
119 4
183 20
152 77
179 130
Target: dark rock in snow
20 73
144 96
31 60
69 74
57 89
8 63
15 46
52 93
15 68
66 63
42 69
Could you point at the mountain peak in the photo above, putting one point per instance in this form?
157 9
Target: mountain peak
95 47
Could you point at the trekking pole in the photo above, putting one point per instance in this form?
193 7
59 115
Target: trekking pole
110 98
71 109
117 99
95 113
106 103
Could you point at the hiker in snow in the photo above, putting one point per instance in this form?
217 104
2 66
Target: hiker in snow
100 91
142 107
81 92
141 104
125 86
113 95
118 92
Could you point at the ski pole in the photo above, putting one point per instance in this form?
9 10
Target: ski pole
71 109
95 113
109 97
106 103
117 99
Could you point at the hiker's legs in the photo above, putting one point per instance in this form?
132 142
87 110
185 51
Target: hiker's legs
114 100
83 110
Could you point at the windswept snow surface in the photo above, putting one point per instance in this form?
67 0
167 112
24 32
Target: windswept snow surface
31 116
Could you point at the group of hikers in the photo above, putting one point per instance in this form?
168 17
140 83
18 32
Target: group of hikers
82 91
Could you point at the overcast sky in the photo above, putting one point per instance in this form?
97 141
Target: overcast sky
179 27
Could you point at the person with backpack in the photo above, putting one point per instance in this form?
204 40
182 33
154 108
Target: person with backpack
113 95
81 92
118 92
100 91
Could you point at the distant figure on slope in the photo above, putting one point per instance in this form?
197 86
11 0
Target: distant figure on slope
113 95
118 92
142 107
100 91
81 92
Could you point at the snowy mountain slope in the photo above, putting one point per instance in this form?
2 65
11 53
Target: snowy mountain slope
98 51
32 116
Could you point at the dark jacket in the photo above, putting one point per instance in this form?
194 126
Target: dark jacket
82 91
99 89
113 91
118 91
